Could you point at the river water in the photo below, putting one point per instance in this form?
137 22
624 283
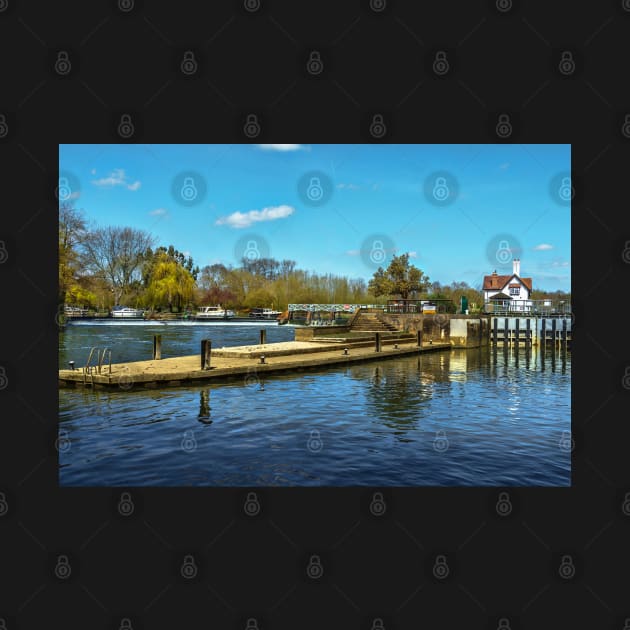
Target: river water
480 417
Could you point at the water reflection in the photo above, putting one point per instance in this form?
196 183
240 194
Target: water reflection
204 406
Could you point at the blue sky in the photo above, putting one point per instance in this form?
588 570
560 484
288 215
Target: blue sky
461 211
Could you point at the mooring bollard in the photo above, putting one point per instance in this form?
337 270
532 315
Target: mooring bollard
206 349
377 342
419 332
157 347
263 336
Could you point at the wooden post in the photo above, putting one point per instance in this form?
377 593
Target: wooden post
496 330
206 348
263 336
157 347
543 331
419 332
564 332
377 342
505 332
528 334
517 333
553 331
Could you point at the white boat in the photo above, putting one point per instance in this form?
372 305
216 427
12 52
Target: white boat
264 313
125 312
213 312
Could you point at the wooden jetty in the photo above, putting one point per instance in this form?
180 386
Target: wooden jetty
239 362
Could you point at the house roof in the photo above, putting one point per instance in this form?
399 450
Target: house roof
500 296
496 282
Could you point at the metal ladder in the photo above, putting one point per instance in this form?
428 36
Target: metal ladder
89 369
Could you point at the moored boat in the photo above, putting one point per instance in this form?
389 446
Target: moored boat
213 312
126 312
264 313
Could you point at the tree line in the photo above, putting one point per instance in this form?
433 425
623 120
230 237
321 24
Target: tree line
100 267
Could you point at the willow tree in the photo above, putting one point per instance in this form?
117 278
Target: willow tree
400 278
168 283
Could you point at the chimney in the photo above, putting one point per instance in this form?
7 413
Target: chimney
516 263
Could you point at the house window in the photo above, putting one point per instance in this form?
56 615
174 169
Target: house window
515 290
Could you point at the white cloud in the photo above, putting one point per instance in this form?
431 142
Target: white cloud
117 177
159 212
560 263
353 252
349 186
413 254
283 147
542 247
245 219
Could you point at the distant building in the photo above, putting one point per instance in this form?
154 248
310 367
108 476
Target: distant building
506 288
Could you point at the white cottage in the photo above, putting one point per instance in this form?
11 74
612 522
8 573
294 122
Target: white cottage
508 288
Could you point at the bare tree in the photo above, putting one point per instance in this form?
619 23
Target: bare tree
116 254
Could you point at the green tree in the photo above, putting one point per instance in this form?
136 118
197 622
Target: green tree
400 278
